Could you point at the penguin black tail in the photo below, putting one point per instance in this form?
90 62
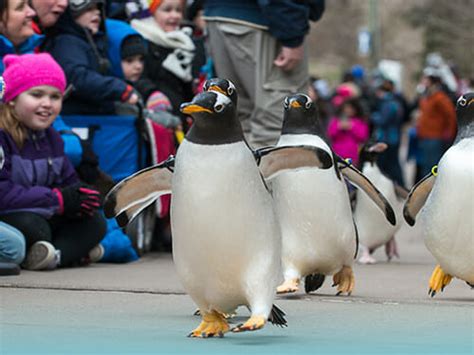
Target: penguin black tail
277 317
313 282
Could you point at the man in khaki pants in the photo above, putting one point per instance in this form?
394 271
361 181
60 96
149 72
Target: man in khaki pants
259 46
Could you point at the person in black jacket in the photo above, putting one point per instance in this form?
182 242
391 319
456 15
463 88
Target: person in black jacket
80 47
259 46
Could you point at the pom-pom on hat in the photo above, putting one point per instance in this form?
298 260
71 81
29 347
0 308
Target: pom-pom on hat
22 72
153 5
158 102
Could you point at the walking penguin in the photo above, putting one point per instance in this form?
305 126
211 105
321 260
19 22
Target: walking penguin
318 233
444 200
226 240
374 230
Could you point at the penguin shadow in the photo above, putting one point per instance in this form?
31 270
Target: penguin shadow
315 295
291 296
258 340
455 299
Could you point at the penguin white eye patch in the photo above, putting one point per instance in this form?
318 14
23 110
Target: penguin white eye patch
221 102
462 101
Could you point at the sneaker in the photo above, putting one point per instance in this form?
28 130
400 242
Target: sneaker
96 253
9 269
41 256
55 262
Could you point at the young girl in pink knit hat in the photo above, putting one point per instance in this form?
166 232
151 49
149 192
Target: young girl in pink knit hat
40 193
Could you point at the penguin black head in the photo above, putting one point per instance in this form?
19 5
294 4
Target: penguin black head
224 86
300 115
371 151
465 116
465 108
215 119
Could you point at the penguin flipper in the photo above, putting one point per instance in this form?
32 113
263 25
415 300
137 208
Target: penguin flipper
272 161
130 196
417 198
358 179
129 214
313 282
400 192
277 317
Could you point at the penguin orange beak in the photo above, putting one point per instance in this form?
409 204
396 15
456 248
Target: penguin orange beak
193 108
295 104
218 89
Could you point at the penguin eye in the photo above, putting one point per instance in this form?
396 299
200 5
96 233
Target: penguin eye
218 108
286 103
308 104
462 101
230 90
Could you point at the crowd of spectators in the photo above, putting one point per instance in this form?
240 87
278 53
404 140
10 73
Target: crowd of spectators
147 57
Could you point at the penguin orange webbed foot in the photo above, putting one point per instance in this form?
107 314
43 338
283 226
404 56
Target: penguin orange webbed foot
289 286
213 325
197 312
438 281
344 280
253 323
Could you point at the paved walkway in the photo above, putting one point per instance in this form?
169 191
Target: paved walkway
142 308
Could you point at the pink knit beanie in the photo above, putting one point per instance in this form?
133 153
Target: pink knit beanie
22 72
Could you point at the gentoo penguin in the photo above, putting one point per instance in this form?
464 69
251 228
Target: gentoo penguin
373 228
444 199
224 86
226 240
313 207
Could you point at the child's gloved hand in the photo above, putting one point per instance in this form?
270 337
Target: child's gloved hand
90 200
77 201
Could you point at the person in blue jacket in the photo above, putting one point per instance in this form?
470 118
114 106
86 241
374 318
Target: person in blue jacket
80 46
387 121
259 46
16 31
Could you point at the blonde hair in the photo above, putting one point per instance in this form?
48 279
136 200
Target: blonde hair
10 123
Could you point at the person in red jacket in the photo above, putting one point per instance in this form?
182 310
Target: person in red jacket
436 125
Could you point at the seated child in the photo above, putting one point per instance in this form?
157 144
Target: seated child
127 49
170 54
40 193
79 46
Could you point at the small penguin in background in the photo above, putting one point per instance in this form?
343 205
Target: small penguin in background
444 200
226 241
374 230
319 236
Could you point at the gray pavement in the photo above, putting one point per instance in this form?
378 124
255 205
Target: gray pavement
142 308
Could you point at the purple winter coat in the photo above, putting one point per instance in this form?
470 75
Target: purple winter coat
28 175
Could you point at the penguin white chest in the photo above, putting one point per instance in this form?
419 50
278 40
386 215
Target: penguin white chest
447 217
225 236
374 230
315 217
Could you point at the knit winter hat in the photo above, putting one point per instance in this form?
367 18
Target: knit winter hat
132 45
153 5
158 101
22 72
78 7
